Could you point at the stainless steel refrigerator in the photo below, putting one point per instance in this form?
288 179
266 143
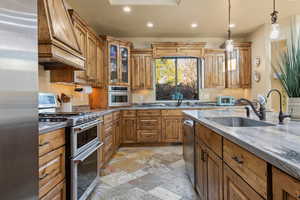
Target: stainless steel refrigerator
18 100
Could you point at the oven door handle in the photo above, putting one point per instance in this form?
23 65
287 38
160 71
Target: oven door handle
88 126
81 157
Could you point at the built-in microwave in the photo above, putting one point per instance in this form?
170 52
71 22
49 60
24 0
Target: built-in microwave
118 96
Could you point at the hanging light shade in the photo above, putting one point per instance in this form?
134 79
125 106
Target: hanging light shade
229 41
275 27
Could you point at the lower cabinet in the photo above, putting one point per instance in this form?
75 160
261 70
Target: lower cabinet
201 170
235 188
129 134
57 193
209 173
172 129
117 134
52 165
148 136
284 186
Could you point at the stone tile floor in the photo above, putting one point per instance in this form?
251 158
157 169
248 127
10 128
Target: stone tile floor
145 173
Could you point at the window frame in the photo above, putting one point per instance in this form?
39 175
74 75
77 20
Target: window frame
200 77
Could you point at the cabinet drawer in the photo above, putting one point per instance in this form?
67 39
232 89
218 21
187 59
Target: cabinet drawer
51 141
236 188
171 113
108 118
210 138
284 186
251 168
129 113
57 193
116 115
108 141
51 170
149 123
148 136
148 113
108 130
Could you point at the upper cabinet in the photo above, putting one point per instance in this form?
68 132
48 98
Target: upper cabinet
178 49
141 69
91 47
117 61
239 66
58 46
214 68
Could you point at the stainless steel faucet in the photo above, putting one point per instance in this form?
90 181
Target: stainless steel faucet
261 113
281 115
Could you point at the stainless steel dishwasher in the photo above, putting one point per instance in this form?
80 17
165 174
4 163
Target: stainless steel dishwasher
189 148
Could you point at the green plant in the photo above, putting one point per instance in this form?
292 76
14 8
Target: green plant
287 66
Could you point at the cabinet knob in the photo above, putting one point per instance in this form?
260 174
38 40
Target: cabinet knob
238 160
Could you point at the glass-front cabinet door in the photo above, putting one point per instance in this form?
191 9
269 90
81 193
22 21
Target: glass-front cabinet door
113 63
124 73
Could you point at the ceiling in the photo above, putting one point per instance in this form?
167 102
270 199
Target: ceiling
175 21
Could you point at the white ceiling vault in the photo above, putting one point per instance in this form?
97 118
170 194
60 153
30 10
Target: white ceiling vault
175 20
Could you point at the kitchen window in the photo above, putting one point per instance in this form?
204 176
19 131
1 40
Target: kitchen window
177 78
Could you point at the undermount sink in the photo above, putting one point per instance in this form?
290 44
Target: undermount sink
239 122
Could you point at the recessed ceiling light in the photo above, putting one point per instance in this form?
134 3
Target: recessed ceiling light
150 25
126 9
232 25
145 2
194 25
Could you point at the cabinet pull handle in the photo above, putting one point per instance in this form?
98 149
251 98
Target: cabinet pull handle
44 144
203 156
238 160
43 177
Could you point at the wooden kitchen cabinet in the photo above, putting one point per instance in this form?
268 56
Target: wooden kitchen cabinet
209 173
235 188
238 70
117 134
52 165
251 168
284 186
91 57
117 61
129 133
57 193
141 69
178 49
200 170
214 175
51 170
172 128
214 68
213 140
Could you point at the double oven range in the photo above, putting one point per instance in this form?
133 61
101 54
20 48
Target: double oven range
82 150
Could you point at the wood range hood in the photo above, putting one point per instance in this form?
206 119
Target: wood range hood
57 43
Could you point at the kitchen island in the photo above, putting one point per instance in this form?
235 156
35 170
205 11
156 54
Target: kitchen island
254 162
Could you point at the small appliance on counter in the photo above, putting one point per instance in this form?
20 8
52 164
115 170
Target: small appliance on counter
225 101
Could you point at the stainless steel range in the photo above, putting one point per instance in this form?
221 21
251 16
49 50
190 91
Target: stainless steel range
82 148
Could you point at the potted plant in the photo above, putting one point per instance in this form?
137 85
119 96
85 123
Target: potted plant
287 69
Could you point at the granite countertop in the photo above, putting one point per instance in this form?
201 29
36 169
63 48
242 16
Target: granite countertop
278 145
45 127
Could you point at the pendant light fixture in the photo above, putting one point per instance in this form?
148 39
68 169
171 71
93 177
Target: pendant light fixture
275 28
229 42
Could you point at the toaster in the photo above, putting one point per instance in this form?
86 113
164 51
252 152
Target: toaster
225 101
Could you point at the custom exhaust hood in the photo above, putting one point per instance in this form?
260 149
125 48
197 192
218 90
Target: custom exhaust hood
58 45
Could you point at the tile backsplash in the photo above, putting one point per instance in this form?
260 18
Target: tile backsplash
148 96
78 99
